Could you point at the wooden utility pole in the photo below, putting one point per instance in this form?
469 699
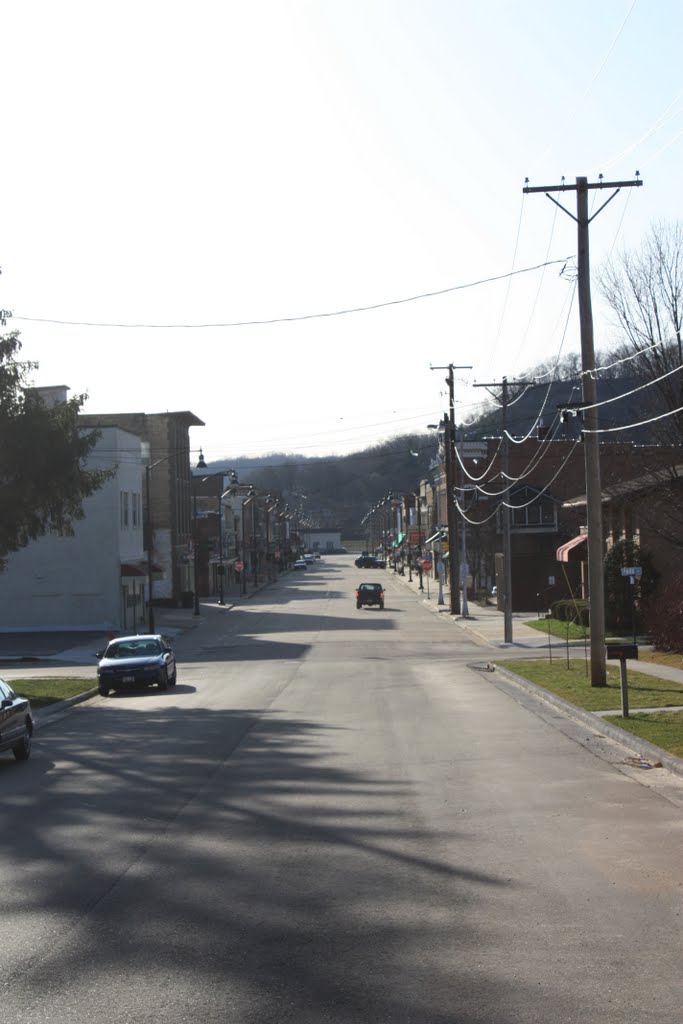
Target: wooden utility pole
506 514
507 535
596 581
451 477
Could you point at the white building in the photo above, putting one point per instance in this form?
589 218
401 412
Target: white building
321 540
97 579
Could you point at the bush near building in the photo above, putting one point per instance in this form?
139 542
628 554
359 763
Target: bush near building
665 617
621 603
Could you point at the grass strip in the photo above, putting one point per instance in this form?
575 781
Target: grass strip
573 684
43 692
558 628
663 728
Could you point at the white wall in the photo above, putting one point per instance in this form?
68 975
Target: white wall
71 583
321 540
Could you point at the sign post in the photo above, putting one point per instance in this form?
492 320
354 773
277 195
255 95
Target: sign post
633 572
621 652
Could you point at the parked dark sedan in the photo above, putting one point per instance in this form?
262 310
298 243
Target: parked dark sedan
16 723
370 562
136 661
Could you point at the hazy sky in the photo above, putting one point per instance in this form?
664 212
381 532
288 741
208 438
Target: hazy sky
219 162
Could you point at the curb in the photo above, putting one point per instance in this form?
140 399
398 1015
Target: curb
647 750
42 716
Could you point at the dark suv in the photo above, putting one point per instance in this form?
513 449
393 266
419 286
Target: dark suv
370 562
369 593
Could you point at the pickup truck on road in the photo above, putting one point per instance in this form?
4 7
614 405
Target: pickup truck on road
369 593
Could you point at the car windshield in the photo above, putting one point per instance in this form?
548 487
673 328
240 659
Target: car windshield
371 586
133 649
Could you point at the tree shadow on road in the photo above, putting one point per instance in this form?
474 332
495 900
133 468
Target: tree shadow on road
240 863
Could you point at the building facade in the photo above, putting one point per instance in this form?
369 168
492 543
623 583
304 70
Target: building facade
94 580
168 497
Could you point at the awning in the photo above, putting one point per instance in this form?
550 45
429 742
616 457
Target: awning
439 535
573 550
139 568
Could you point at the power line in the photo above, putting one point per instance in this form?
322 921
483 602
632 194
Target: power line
630 426
294 319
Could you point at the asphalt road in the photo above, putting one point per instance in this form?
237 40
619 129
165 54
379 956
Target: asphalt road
332 818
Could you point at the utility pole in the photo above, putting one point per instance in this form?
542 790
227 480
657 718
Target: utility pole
449 439
506 515
507 532
596 581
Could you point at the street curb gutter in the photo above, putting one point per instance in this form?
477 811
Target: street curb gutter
647 750
43 716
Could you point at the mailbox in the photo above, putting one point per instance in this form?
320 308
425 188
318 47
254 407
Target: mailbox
619 652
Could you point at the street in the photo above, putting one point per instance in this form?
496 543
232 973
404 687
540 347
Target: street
332 818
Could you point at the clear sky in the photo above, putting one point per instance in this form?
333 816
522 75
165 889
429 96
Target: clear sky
215 162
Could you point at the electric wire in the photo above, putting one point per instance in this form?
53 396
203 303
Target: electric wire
576 106
509 505
293 319
553 369
509 282
631 426
627 359
627 394
660 122
663 149
540 286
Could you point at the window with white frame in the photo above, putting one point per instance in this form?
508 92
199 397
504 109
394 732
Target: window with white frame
124 509
135 510
530 510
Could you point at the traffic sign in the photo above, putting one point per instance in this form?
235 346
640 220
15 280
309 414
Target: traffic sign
632 570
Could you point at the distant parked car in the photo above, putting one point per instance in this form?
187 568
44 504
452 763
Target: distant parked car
301 563
140 660
16 722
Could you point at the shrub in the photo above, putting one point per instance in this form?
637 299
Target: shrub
571 610
665 617
622 602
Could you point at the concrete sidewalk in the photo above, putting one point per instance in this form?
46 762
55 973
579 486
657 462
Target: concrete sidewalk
484 622
78 648
487 624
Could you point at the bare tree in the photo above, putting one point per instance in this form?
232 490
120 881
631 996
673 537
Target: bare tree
644 291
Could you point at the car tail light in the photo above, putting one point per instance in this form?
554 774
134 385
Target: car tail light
356 594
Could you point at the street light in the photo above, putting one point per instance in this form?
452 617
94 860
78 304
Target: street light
149 531
148 542
285 542
201 464
270 504
251 495
445 428
151 625
219 512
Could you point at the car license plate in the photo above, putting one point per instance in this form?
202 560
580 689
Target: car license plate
128 679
